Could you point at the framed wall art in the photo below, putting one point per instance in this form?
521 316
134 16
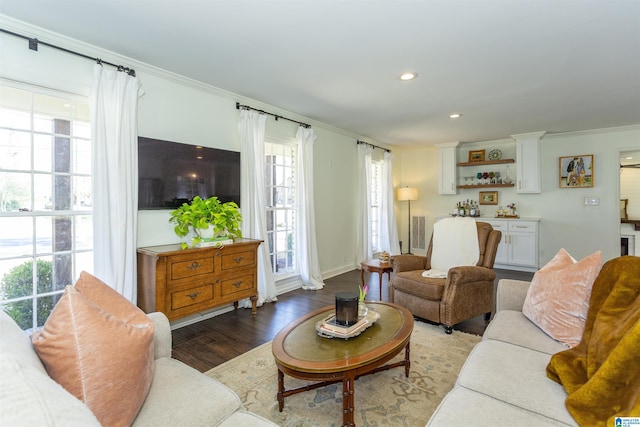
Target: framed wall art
488 197
576 171
476 155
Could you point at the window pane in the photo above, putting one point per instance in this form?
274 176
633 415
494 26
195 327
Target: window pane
43 199
81 156
82 193
15 191
84 262
84 232
44 235
15 150
16 236
15 108
16 278
42 158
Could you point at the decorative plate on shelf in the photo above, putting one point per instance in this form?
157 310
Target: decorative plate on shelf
495 154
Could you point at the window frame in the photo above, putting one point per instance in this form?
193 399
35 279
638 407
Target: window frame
288 211
68 223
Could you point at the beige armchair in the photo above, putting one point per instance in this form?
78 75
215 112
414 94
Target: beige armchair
466 292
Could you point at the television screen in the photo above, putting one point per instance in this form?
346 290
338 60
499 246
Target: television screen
172 173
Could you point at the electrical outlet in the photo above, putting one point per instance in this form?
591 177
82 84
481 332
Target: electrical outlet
591 201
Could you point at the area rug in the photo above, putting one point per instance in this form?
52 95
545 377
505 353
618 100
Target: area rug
385 398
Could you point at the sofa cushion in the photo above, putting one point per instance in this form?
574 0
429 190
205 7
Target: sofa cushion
28 397
464 407
515 375
558 298
99 347
15 342
513 327
179 392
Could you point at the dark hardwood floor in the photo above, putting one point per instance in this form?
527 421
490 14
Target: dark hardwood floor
209 343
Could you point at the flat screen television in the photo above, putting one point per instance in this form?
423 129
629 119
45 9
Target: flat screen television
172 173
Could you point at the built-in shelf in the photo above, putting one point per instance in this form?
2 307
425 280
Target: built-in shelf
634 222
486 185
487 162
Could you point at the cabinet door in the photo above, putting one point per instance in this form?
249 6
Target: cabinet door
447 173
502 254
523 249
528 164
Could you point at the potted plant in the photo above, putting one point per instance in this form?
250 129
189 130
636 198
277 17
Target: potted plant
221 220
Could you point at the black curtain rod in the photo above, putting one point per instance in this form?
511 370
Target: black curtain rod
33 45
277 116
374 146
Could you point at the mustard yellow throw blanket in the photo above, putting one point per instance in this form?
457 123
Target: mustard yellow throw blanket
602 374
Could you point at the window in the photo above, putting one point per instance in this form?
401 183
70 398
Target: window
375 197
46 231
281 202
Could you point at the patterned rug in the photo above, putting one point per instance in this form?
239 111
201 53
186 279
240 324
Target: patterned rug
386 398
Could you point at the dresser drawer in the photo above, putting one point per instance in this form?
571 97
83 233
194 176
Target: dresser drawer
192 296
184 267
237 284
238 259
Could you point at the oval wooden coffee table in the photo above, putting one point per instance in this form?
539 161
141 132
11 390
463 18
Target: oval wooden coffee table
301 353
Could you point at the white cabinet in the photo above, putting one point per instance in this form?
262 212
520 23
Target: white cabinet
528 162
447 168
518 248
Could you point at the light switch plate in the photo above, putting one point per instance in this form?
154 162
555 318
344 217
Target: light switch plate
591 201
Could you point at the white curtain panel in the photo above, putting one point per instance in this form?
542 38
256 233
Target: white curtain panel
251 127
389 239
363 223
307 243
114 108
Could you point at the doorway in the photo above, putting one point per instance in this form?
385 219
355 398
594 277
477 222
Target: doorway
630 192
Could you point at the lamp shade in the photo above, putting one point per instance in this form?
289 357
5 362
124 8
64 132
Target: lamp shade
407 193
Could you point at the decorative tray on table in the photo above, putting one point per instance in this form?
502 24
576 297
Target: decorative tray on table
328 327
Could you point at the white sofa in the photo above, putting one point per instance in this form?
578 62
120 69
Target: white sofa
179 395
504 381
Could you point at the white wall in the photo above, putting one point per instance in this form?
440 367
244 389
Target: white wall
177 109
565 221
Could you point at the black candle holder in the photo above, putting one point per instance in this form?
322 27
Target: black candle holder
346 308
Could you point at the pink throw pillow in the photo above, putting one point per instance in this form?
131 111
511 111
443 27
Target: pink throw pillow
99 346
558 298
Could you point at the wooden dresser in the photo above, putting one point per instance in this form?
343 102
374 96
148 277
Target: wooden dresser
181 282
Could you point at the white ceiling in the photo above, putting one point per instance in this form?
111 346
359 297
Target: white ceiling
509 66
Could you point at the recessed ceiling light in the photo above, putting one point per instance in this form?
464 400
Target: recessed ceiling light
408 76
455 115
628 158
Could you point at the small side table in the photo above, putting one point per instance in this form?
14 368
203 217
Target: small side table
375 266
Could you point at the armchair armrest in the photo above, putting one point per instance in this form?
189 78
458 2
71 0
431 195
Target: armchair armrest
469 273
511 294
161 335
408 263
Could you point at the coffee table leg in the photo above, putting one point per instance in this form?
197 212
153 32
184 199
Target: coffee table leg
280 390
347 402
407 361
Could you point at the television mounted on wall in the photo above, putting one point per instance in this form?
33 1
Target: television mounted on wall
173 173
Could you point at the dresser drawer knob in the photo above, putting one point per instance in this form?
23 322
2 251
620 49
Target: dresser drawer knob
237 284
193 295
238 259
194 266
